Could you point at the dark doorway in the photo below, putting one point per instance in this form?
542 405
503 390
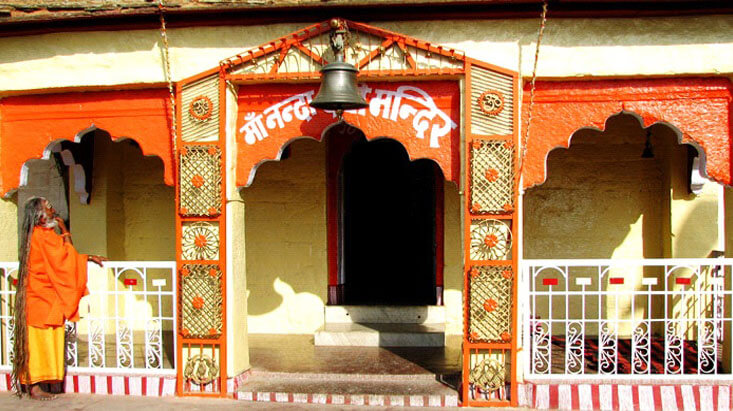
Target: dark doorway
388 225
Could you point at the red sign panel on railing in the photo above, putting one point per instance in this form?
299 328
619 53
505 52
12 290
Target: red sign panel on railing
423 116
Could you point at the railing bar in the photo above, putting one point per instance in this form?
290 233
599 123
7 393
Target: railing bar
121 371
704 295
698 293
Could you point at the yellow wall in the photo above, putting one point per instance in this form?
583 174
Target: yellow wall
9 228
131 212
285 233
570 48
453 259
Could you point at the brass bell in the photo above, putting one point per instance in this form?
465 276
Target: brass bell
338 88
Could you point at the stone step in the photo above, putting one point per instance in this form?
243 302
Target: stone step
380 335
385 391
420 314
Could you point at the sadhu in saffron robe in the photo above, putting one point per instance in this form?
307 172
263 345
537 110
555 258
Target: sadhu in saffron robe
57 280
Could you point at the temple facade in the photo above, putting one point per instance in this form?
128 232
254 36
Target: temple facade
545 190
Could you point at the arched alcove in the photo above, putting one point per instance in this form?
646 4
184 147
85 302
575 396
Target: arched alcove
116 204
623 193
610 195
114 198
602 198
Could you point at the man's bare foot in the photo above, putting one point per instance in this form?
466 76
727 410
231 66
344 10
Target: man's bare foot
38 394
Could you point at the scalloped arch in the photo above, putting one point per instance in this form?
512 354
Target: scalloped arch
698 109
324 133
32 123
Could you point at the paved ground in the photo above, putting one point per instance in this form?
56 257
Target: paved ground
117 403
298 354
276 359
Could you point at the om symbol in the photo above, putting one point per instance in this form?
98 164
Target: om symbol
201 108
491 102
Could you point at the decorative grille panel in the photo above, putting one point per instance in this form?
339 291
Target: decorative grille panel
201 367
201 301
492 102
490 240
492 177
260 65
200 185
490 314
200 110
296 61
488 375
200 241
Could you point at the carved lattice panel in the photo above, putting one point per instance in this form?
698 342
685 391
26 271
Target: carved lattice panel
200 181
488 375
490 311
201 368
200 110
200 241
201 301
492 177
490 240
492 102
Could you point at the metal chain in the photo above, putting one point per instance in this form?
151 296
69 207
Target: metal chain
171 91
525 138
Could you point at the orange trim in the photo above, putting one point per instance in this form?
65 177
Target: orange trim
199 76
77 89
223 243
220 342
310 54
374 53
298 36
31 123
699 107
280 58
364 75
335 150
439 227
408 56
508 348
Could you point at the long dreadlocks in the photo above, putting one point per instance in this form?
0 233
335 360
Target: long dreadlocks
34 210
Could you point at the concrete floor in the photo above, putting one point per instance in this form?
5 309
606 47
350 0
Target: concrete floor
293 364
297 354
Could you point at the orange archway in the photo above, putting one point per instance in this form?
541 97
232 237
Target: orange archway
439 104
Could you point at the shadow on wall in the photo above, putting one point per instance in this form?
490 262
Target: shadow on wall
285 235
600 199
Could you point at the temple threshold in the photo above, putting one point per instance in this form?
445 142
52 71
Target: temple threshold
291 368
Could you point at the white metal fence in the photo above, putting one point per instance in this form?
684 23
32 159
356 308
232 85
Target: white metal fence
128 319
667 318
